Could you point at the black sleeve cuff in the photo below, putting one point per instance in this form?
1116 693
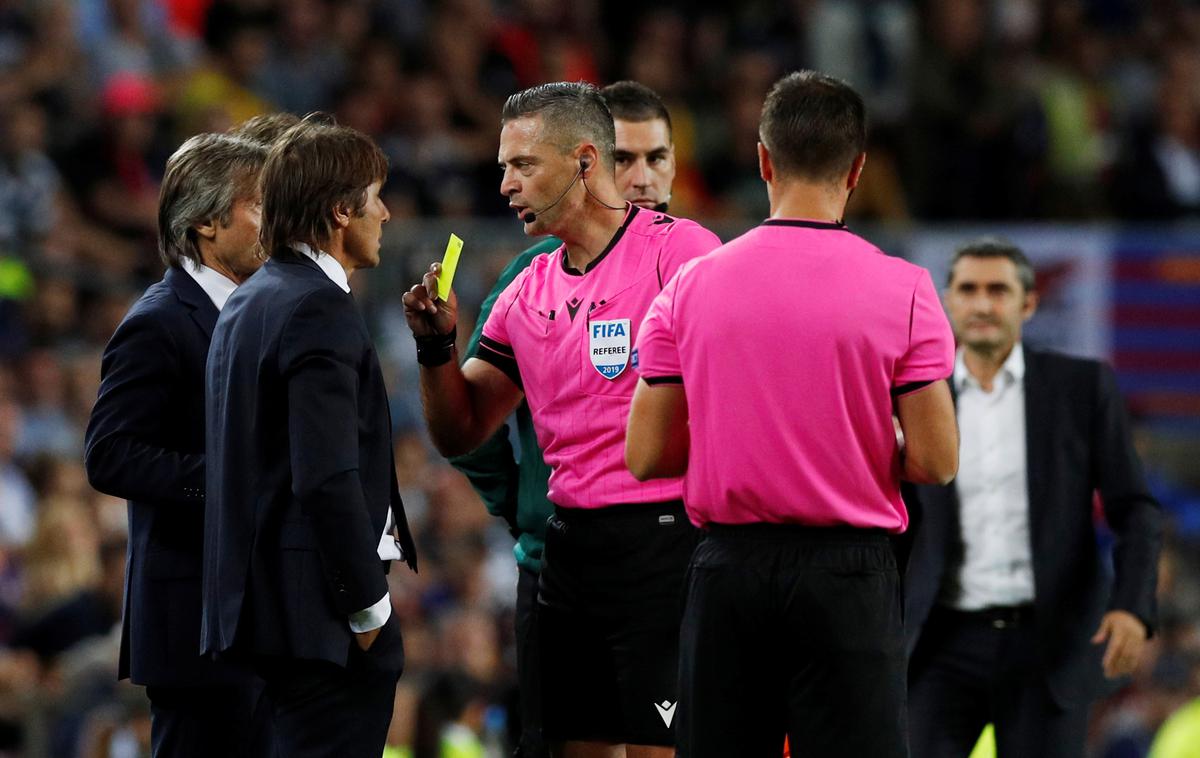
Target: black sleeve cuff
904 389
502 357
652 380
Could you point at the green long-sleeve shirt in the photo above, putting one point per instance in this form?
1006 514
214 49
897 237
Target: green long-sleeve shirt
513 491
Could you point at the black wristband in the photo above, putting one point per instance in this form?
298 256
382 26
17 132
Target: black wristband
436 349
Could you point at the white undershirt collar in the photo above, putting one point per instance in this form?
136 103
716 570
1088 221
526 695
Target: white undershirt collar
216 285
327 263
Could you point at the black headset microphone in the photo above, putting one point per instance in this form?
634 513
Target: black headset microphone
530 216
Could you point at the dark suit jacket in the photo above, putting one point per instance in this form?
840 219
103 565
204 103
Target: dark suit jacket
1078 442
145 442
301 471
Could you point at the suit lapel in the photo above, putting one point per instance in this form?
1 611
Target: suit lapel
191 294
1038 440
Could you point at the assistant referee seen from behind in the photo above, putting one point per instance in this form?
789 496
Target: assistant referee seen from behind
770 372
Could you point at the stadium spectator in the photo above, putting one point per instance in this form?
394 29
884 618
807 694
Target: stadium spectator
1158 176
17 514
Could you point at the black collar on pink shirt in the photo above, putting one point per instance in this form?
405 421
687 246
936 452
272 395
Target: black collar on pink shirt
835 225
633 211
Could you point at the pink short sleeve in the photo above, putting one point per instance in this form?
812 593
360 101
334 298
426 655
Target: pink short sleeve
656 357
688 241
930 354
495 345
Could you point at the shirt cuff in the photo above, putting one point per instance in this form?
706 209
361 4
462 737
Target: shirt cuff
372 618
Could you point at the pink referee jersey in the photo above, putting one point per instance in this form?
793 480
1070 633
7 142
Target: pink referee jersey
789 390
565 338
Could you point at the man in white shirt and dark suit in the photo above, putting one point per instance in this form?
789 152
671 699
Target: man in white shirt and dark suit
304 516
145 442
1012 616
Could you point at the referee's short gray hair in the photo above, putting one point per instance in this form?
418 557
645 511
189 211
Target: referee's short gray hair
571 113
204 177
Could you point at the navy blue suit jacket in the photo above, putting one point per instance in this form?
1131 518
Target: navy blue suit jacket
145 443
301 471
1077 443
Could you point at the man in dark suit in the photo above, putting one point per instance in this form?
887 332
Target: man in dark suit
1012 617
145 442
304 515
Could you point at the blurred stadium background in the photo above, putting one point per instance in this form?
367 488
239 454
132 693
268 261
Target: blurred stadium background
1070 126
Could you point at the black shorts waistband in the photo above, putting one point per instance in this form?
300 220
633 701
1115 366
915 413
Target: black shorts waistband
623 510
798 533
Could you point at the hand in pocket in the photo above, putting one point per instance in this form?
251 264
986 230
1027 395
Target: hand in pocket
366 639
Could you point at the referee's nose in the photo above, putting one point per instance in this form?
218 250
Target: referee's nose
509 185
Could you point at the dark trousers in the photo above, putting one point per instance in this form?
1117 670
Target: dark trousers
529 670
797 631
322 710
974 668
198 722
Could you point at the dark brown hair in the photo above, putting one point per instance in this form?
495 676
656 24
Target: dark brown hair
814 126
314 168
633 101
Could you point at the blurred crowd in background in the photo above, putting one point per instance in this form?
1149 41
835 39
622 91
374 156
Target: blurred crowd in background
1000 110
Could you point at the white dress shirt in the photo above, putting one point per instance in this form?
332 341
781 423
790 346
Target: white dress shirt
389 548
993 491
216 285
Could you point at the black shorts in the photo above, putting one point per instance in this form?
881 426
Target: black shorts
792 630
610 603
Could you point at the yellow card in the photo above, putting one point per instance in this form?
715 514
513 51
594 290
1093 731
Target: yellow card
449 266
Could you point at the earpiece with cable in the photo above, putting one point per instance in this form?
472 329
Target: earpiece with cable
584 164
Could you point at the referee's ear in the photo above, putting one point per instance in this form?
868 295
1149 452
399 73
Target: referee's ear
765 169
856 169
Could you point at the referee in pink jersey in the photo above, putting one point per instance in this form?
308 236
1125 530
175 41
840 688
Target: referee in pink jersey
561 336
770 373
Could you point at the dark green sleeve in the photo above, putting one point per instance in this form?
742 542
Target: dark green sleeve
491 468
